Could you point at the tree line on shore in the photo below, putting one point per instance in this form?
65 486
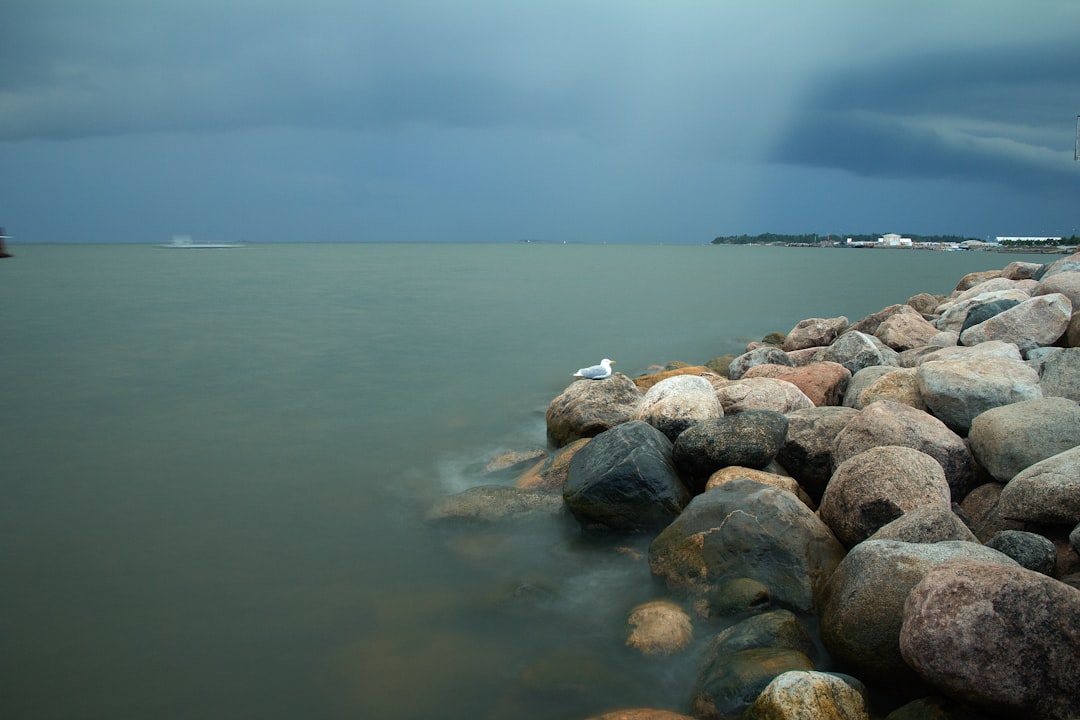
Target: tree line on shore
816 239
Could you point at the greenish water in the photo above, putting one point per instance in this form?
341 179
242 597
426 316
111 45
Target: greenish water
215 466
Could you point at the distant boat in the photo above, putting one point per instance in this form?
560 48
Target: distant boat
3 246
184 242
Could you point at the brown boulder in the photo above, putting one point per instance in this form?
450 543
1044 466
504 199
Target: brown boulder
589 407
814 332
823 382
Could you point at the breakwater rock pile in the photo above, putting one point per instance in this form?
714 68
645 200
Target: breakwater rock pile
896 500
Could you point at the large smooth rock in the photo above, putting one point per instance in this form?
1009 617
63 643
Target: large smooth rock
761 393
899 386
1048 492
759 356
814 332
808 695
659 627
644 382
674 404
1019 270
976 278
1066 283
743 529
957 391
589 407
1008 439
824 383
749 439
905 331
870 324
1037 321
879 485
783 482
891 423
955 312
807 450
926 524
981 313
1029 550
862 606
855 351
992 348
863 379
625 481
1001 637
1059 375
1070 263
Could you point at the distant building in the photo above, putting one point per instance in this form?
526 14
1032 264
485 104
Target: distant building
894 240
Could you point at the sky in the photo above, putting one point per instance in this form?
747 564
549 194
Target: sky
619 121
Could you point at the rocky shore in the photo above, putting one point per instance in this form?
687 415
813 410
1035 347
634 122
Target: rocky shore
895 499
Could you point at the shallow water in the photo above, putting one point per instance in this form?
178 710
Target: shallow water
216 466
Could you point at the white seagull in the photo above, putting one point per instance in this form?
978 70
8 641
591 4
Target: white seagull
596 372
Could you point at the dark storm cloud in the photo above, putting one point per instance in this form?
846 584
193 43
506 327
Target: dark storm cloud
998 115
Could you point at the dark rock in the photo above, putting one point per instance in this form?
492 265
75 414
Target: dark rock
750 439
624 481
807 450
926 524
981 313
1028 549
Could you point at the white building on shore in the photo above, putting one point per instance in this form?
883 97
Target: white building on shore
894 240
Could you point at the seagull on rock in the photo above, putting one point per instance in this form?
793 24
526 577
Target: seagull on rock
596 372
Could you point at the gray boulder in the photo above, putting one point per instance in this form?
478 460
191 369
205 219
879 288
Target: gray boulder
879 485
814 332
862 606
749 439
1010 438
870 324
981 313
1000 637
1029 550
589 407
623 480
743 529
1047 492
676 403
890 423
1065 264
863 379
855 351
1037 321
1059 375
1066 283
759 356
807 450
992 348
926 524
955 312
957 391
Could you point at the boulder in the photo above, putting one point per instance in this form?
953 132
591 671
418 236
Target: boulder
589 407
998 636
890 423
981 313
674 404
875 487
767 354
1018 270
1037 321
924 303
761 394
862 607
624 481
855 351
814 332
1034 552
1070 263
957 391
741 596
824 383
870 324
809 356
904 331
807 449
1047 492
955 312
1010 438
808 695
899 386
993 348
926 524
783 482
744 529
512 459
749 439
945 338
983 512
644 382
487 504
1072 333
659 628
1066 283
863 379
1059 375
974 278
550 473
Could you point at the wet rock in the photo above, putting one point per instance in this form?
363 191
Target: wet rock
763 355
905 331
748 439
808 695
494 503
807 450
1034 552
1059 375
957 391
855 351
926 524
862 606
1047 492
1001 637
761 394
641 714
1037 321
1008 439
877 486
814 332
674 404
550 473
659 628
890 423
743 529
739 596
624 481
589 407
824 383
512 459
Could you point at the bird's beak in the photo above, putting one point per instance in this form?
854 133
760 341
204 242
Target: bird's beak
612 362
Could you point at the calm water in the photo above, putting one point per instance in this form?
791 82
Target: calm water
214 467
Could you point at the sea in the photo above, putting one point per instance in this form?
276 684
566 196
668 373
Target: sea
217 468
